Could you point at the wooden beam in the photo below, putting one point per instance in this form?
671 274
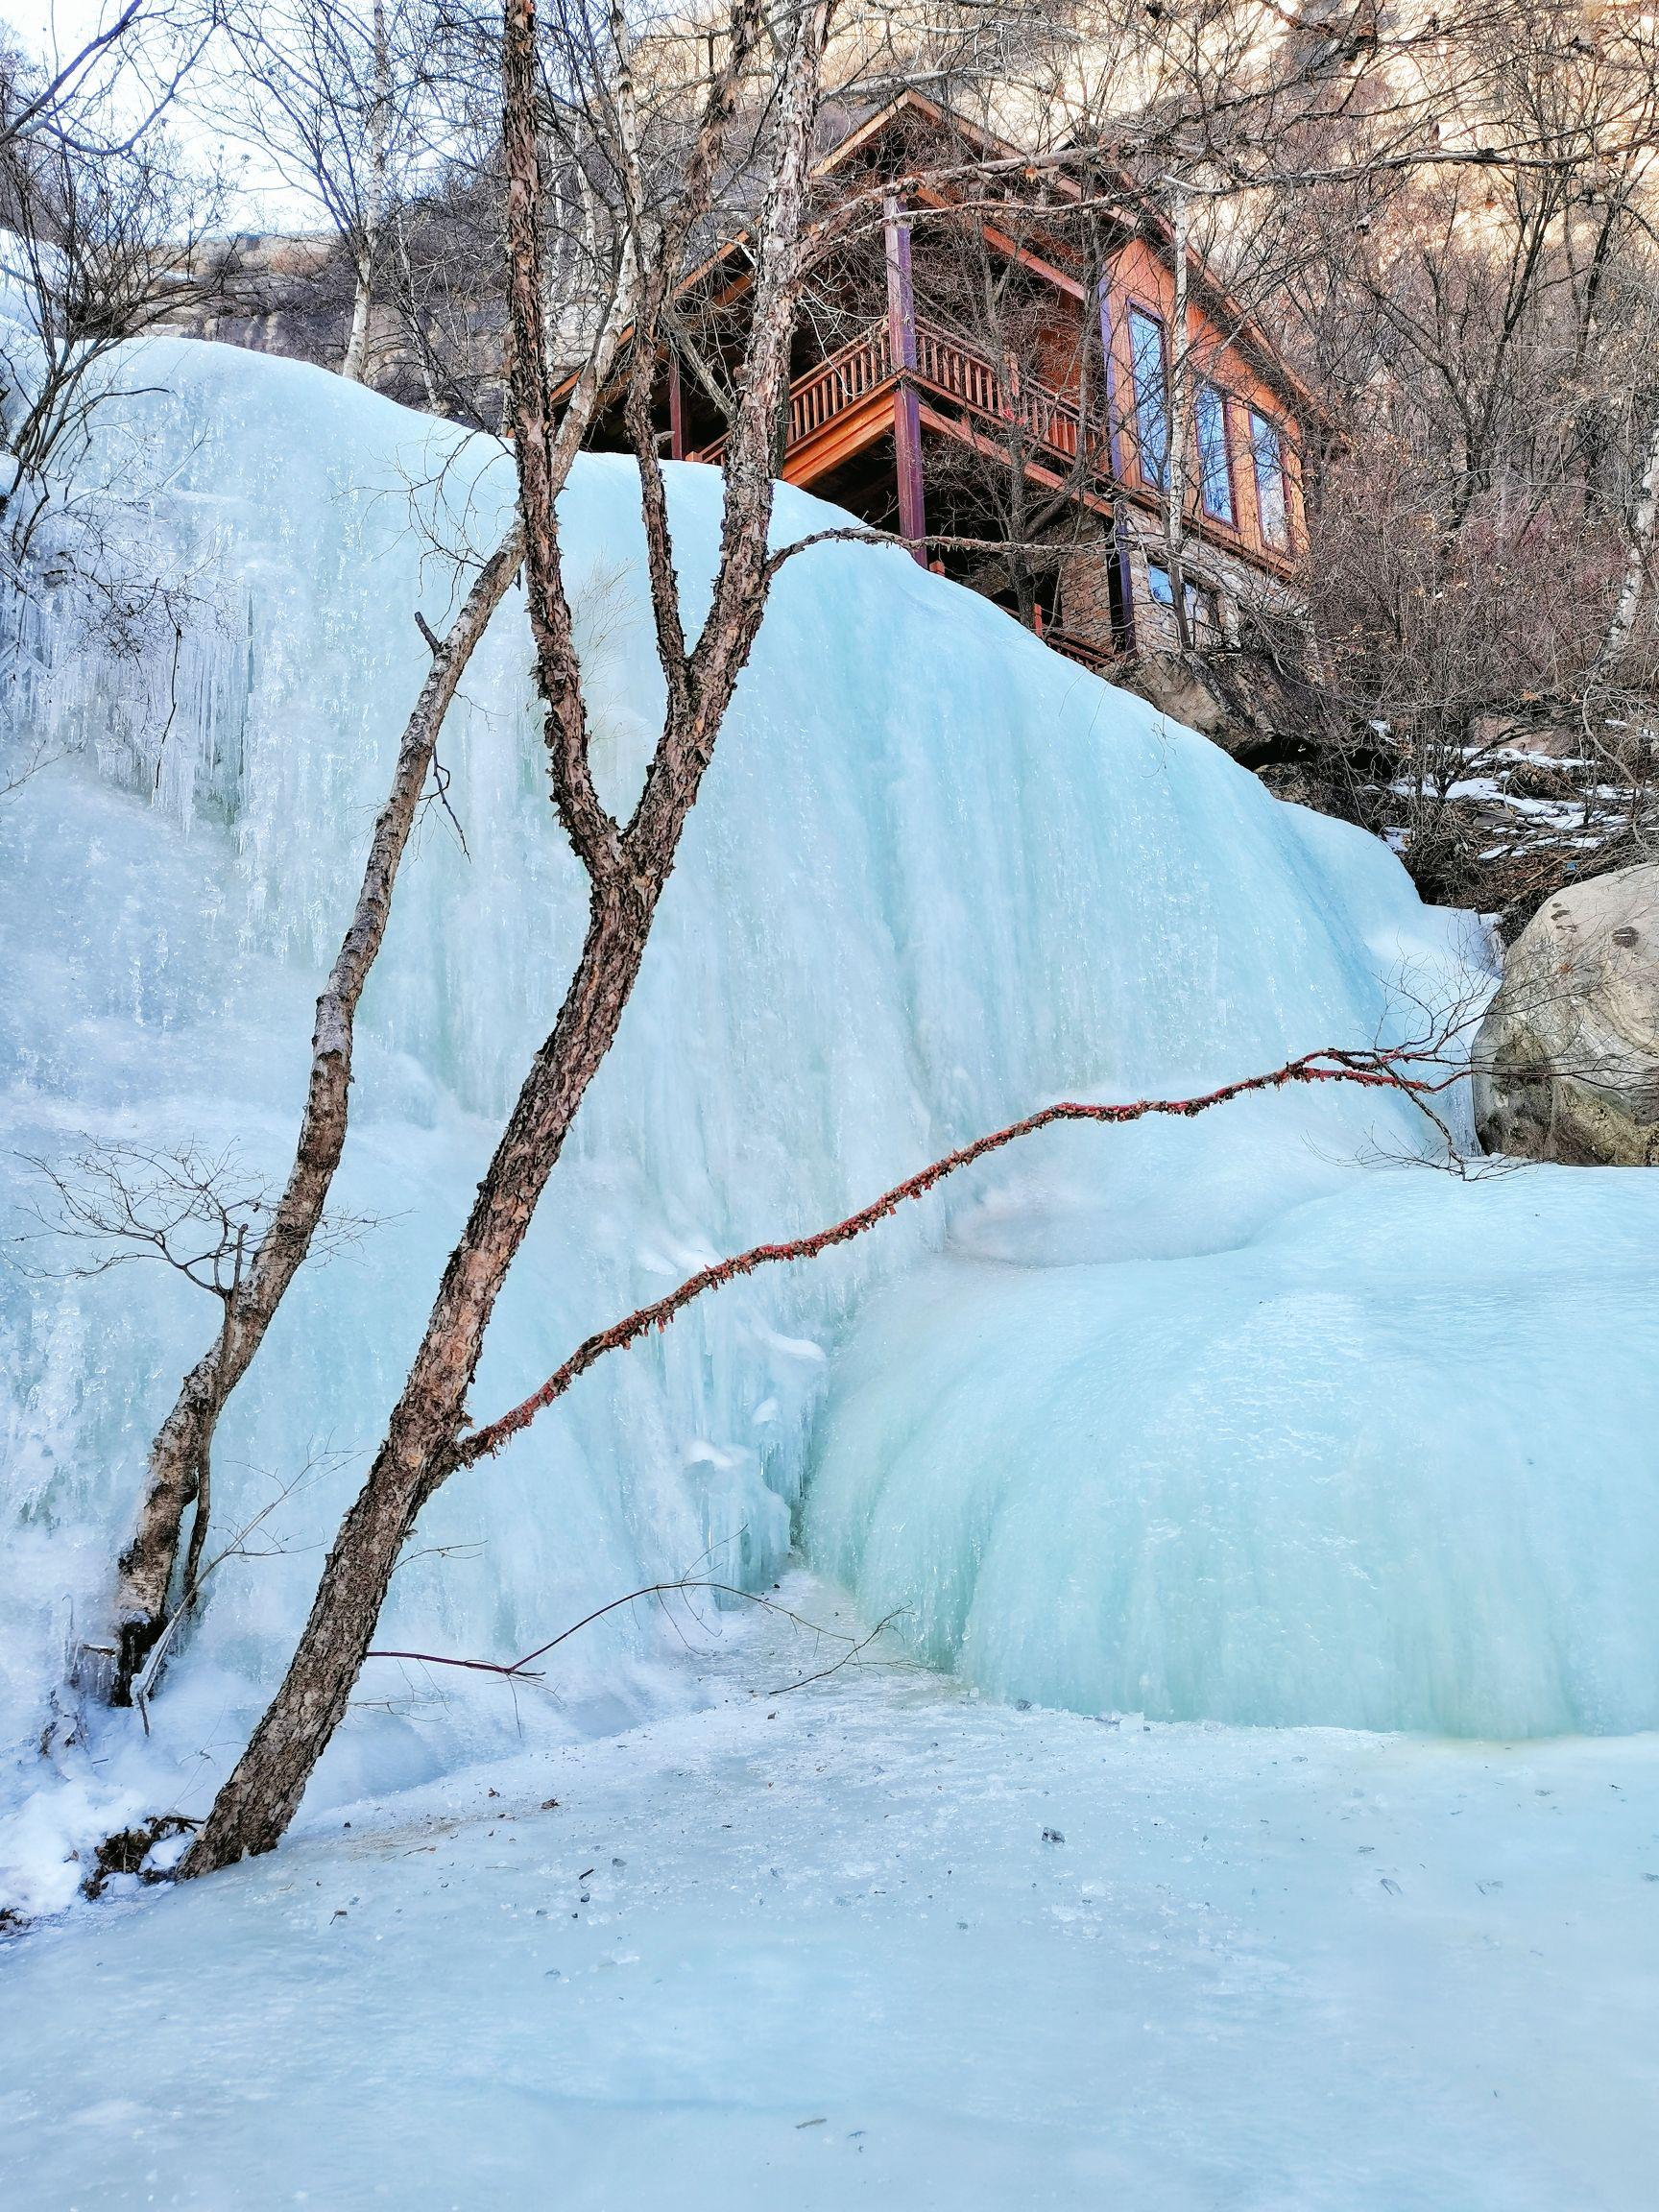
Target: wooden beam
676 411
907 411
841 439
951 426
1008 246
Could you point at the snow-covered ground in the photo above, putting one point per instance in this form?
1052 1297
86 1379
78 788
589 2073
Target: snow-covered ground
817 1950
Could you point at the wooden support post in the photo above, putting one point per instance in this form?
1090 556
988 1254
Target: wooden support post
906 408
676 411
1120 575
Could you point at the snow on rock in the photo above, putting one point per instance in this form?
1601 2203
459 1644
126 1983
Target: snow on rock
938 876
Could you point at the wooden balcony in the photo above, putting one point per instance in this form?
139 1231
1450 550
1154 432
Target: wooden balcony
838 405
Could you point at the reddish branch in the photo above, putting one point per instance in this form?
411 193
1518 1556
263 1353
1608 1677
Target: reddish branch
1380 1071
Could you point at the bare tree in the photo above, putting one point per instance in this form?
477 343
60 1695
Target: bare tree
102 226
179 1462
1481 322
627 863
199 1214
441 267
179 1456
178 1472
341 99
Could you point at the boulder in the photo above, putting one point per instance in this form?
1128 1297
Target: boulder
1182 687
1566 1060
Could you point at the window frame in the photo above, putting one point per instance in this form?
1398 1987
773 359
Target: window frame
1226 518
1199 598
1262 423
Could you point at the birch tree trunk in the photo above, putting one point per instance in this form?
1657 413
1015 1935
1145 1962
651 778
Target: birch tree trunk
177 1461
1180 424
354 366
1642 527
365 243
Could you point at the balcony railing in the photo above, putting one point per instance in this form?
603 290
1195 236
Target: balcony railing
1050 418
945 367
844 380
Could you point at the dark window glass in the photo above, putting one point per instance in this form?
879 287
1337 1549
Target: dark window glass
1151 396
1214 461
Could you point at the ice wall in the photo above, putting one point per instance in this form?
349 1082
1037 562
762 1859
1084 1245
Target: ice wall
1388 1464
938 876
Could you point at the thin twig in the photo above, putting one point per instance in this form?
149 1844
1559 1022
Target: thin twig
846 1659
515 1671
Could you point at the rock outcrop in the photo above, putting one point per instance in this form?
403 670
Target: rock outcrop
1566 1061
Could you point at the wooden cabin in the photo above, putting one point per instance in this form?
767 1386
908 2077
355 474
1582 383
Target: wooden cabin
985 357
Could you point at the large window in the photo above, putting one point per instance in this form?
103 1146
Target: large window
1151 398
1214 457
1267 449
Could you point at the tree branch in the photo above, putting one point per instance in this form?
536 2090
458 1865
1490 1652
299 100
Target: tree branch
1371 1070
516 1669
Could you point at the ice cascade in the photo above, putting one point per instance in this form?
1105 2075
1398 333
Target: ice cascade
1245 1418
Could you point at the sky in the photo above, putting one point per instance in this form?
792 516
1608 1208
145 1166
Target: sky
37 22
260 200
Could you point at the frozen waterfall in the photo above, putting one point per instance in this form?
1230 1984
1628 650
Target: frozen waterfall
1247 1418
